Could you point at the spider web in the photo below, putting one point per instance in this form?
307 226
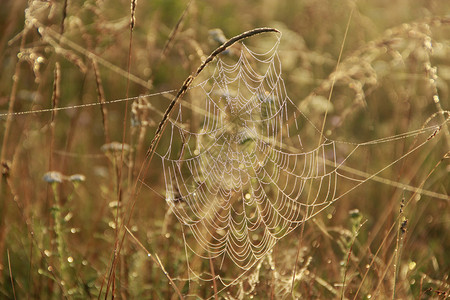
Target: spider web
244 166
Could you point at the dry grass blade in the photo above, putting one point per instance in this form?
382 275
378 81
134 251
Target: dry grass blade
401 230
12 99
119 166
50 34
55 101
174 32
213 274
3 151
102 101
333 82
64 16
10 274
157 261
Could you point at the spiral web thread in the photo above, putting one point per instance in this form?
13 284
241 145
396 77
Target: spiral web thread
238 175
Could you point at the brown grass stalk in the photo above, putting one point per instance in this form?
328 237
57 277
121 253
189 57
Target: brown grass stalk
11 274
174 32
156 260
49 35
213 275
64 16
102 101
8 124
55 101
119 165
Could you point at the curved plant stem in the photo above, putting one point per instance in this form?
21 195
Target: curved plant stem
191 78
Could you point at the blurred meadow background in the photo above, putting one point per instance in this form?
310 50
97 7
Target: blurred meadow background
68 176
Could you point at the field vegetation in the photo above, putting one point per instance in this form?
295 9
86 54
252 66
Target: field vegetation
84 86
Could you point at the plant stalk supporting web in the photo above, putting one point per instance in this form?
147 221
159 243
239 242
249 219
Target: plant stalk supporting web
191 78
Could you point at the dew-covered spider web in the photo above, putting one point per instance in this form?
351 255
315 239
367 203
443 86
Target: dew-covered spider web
244 166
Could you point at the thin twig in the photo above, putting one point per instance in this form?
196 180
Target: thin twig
401 230
10 274
55 102
119 166
297 257
12 99
350 250
50 34
157 261
174 32
64 15
213 274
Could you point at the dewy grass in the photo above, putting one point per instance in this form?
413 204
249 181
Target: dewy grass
55 179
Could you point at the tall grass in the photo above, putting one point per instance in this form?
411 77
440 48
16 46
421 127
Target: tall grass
76 238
